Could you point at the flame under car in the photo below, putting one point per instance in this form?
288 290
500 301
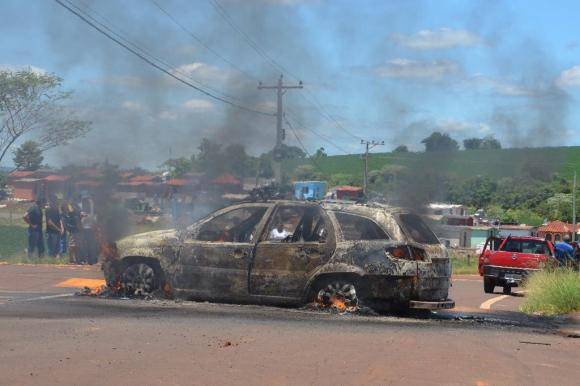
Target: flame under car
288 252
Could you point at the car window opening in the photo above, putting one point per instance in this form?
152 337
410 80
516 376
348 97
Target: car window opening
297 224
359 228
526 246
416 228
238 225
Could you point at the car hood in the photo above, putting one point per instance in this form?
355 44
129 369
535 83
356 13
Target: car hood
147 239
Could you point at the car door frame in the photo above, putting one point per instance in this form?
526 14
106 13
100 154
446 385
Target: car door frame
222 283
329 247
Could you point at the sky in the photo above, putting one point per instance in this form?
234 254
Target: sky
391 71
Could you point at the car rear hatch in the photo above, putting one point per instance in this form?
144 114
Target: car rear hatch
518 253
434 269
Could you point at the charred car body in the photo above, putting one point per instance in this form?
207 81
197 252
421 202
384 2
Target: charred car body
288 252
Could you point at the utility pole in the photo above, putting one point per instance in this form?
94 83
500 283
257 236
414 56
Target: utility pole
369 145
574 208
280 134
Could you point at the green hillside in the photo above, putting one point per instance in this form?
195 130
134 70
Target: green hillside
492 163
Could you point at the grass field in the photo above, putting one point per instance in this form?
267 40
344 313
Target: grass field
12 241
492 163
460 266
553 292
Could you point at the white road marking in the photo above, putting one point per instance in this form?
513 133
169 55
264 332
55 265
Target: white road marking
45 297
488 303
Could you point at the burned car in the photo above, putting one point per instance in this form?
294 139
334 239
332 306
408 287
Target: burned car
290 252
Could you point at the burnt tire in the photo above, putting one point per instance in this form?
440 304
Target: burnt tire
488 285
507 290
336 294
139 279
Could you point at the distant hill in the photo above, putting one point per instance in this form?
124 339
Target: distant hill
465 163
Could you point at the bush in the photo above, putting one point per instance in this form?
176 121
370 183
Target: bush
552 292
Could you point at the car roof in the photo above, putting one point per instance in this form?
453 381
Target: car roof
530 238
337 205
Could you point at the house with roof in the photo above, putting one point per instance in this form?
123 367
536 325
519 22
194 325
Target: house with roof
557 230
517 230
345 192
226 183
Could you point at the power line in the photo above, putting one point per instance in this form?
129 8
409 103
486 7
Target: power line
316 133
276 65
201 42
137 47
325 114
302 145
252 43
318 106
143 56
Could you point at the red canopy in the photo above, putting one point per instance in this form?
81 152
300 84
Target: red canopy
226 179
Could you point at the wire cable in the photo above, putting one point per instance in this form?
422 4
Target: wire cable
302 145
276 65
316 133
137 47
201 42
149 61
221 11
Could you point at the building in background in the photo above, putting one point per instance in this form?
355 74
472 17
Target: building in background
309 190
517 230
557 230
345 192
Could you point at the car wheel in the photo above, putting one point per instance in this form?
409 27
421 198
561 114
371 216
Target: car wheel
507 290
139 279
488 285
338 295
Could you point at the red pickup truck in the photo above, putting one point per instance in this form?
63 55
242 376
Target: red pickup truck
506 262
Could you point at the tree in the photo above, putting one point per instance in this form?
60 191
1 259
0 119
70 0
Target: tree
320 153
490 143
472 143
264 166
291 152
236 161
208 158
307 172
476 191
33 102
440 142
178 166
401 149
486 143
560 207
28 156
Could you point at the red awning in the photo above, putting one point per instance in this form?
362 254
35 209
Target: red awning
226 179
56 178
179 182
21 174
347 188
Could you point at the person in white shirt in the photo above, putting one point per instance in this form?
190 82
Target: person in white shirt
279 233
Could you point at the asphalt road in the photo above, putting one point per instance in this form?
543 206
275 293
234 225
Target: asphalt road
48 336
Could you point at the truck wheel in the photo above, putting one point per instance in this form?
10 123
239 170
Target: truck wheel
488 285
507 290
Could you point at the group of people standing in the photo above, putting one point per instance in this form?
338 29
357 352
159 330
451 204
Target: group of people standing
64 231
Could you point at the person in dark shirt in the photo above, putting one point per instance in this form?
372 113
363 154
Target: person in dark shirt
72 222
54 228
33 218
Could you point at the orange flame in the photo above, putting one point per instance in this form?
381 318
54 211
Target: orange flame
338 303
